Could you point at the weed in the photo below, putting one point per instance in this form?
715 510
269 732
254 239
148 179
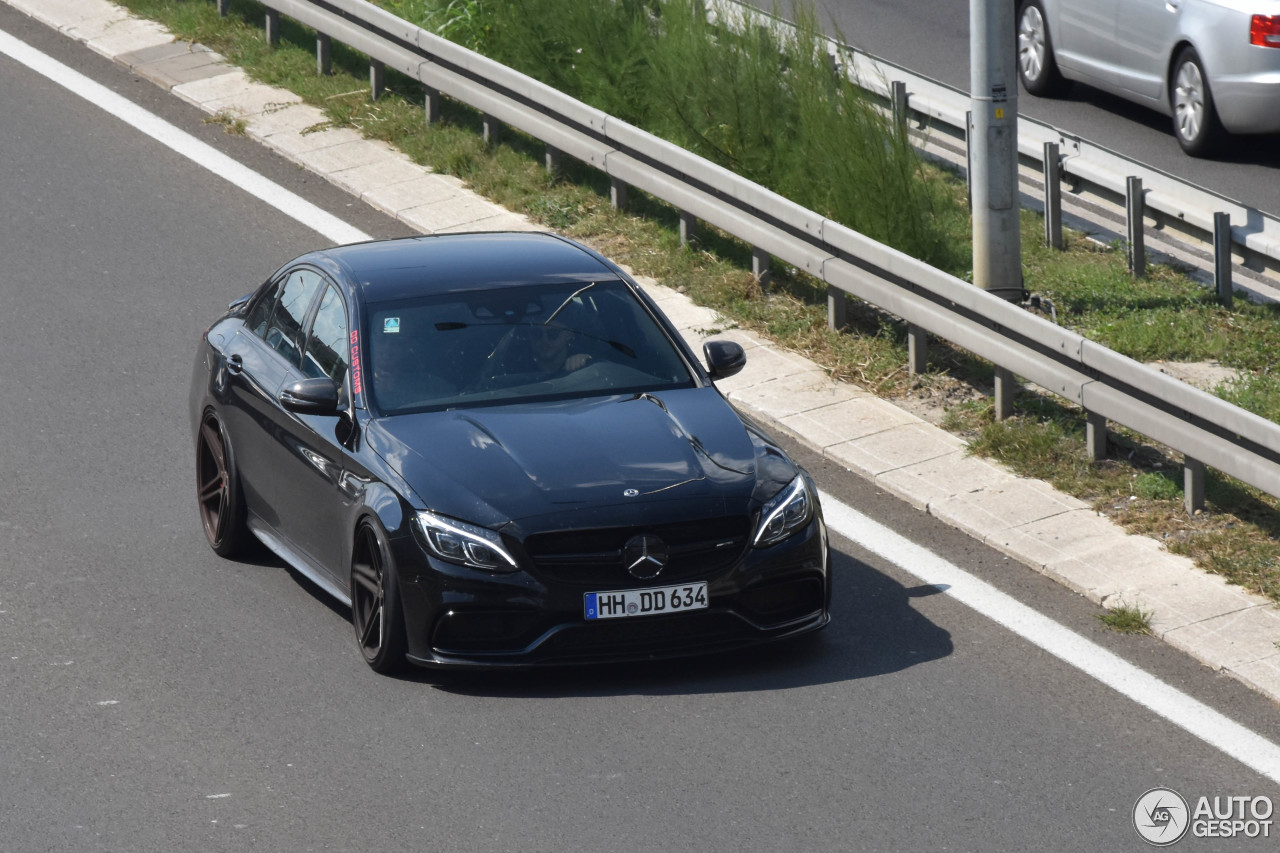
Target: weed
1157 486
553 214
1126 619
230 122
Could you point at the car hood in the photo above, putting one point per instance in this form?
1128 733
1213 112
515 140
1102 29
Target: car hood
601 460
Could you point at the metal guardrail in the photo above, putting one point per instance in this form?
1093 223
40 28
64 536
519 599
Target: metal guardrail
1095 172
1106 384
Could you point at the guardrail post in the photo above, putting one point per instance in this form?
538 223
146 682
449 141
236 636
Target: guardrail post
431 104
377 78
617 194
1004 394
490 125
273 27
1052 196
1193 485
552 160
837 308
899 88
1222 258
760 266
324 55
917 349
1134 206
1095 436
223 6
688 226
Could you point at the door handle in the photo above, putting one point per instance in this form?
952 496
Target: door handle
351 485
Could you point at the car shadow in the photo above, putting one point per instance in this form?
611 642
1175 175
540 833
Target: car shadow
874 630
1081 93
1241 150
1251 151
260 556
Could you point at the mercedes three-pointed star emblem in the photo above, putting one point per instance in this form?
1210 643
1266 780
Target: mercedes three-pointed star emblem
644 556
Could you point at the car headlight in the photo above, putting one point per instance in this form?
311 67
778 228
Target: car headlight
785 513
467 544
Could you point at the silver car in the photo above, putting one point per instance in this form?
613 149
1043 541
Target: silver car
1213 65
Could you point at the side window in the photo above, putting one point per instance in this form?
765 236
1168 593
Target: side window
284 333
326 353
256 322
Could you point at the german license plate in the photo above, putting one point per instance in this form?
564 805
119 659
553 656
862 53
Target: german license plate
621 603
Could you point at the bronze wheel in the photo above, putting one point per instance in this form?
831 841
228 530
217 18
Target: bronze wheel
375 603
217 490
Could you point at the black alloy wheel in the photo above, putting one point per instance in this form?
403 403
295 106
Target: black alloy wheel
1036 66
218 490
375 603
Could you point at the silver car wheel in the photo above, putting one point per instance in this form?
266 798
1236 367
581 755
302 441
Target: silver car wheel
1188 100
1031 43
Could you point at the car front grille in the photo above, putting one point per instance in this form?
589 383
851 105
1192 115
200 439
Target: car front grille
659 636
696 548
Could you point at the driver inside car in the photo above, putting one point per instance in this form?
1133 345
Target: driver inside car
550 347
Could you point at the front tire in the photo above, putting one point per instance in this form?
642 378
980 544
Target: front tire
1195 119
222 511
1037 67
376 612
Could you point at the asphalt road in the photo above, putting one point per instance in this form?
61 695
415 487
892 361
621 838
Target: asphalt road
158 698
933 40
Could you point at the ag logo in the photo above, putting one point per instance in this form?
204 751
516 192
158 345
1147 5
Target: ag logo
1161 816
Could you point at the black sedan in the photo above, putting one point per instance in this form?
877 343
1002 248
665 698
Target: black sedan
499 452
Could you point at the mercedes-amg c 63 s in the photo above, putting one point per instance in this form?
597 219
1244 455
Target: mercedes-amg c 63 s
499 452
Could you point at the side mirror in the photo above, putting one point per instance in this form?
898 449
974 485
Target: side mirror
311 397
236 304
724 358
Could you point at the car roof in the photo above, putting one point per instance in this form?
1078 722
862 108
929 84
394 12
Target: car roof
388 270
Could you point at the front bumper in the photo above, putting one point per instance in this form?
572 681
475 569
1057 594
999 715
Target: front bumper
457 618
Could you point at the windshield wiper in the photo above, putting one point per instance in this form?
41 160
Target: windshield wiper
572 296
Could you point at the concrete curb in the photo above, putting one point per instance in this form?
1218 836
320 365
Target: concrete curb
1221 625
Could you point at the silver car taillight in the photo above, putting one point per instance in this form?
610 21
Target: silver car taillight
1264 30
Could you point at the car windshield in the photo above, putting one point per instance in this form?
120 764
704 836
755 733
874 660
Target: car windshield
546 341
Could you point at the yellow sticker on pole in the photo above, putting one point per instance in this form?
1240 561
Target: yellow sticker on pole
999 112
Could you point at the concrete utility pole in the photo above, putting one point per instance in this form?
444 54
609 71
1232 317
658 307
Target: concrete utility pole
993 148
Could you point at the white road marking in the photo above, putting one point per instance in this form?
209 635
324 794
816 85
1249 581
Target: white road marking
1242 744
292 205
1195 717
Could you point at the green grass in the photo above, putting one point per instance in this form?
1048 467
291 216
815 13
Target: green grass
1127 619
1164 316
770 109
